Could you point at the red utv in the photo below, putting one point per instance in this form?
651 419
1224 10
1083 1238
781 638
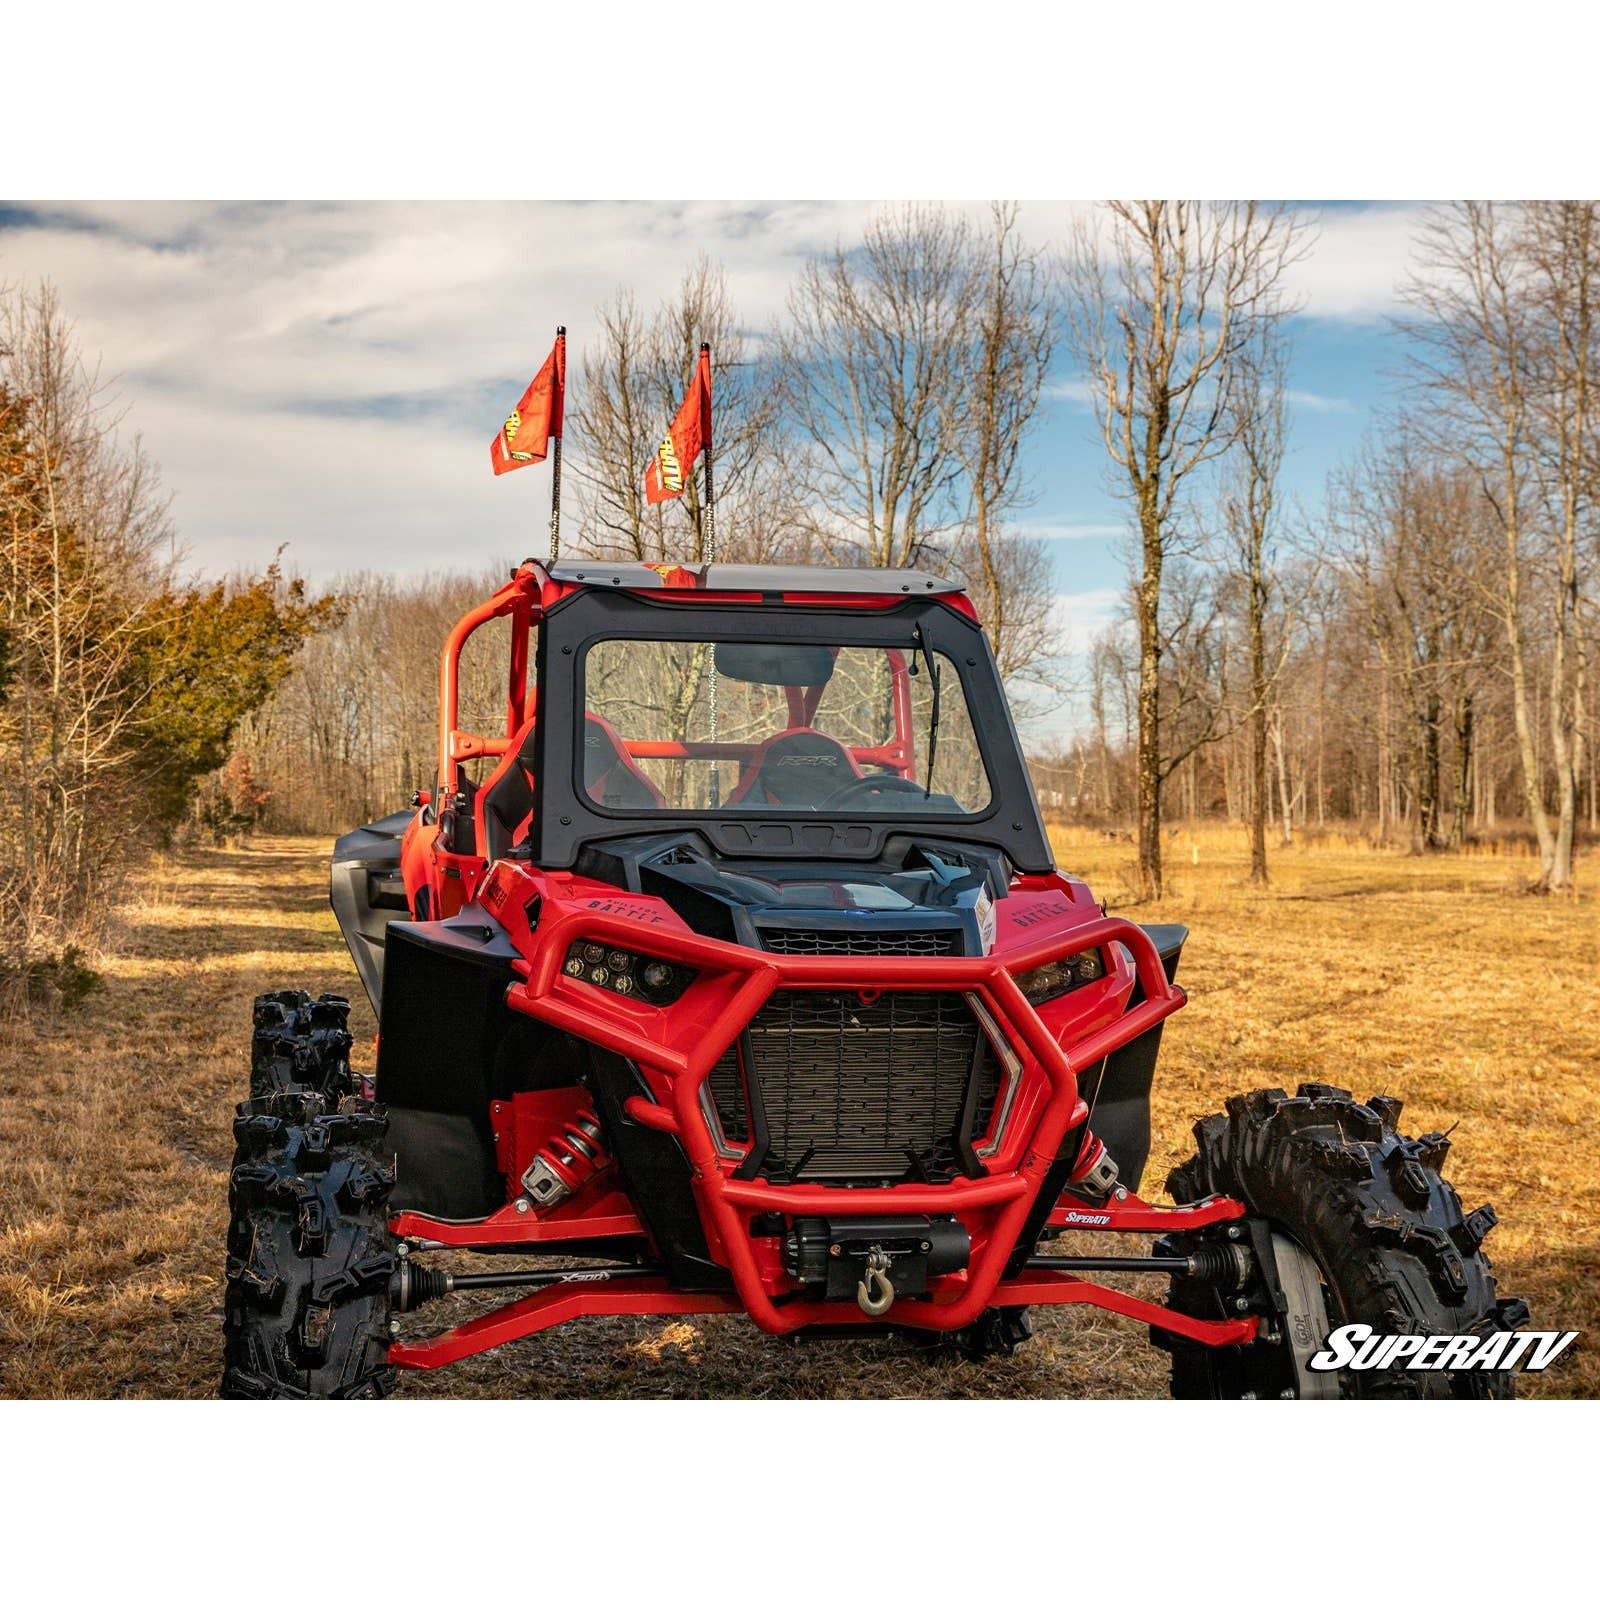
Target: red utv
733 973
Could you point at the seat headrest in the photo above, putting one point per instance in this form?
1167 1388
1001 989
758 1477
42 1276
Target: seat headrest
800 768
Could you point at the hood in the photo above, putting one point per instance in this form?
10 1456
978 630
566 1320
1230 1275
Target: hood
929 898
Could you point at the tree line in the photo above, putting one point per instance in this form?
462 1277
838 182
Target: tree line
1410 655
1415 652
121 682
881 423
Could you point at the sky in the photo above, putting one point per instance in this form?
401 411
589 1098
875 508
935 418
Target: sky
328 375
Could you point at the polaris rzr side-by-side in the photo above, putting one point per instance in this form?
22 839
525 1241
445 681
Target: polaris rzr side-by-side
734 974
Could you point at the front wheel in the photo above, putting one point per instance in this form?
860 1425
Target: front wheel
310 1256
1363 1229
300 1045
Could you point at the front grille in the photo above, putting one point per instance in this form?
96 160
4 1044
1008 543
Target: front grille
727 1090
856 1090
822 942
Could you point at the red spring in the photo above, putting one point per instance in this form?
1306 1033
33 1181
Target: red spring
567 1162
1094 1173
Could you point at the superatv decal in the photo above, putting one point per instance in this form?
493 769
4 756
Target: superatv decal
1358 1348
513 423
671 472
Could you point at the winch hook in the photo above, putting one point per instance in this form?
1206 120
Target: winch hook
875 1293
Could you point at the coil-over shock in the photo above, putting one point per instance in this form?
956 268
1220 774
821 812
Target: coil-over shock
568 1160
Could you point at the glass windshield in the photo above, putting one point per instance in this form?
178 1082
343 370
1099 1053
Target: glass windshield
685 725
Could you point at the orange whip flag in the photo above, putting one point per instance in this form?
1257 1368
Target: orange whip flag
689 434
527 433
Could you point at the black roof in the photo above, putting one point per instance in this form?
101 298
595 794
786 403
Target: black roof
762 579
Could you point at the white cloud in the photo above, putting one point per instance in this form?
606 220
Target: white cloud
1077 394
1070 532
1357 261
1076 619
331 373
1308 401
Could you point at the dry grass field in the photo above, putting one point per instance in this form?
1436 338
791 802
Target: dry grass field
1435 980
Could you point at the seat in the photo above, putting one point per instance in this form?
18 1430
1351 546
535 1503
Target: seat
505 802
797 769
610 775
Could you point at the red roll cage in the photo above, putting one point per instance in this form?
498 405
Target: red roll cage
532 591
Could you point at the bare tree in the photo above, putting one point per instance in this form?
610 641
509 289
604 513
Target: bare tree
1504 328
632 380
1472 367
874 346
352 732
1563 246
988 412
88 546
614 421
1161 303
1194 651
1410 537
1249 510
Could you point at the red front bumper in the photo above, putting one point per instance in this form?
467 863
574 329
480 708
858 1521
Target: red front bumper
676 1049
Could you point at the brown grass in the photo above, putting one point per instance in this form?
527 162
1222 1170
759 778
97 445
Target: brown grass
1432 979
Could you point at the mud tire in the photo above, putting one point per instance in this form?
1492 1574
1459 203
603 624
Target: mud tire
310 1256
1388 1234
300 1045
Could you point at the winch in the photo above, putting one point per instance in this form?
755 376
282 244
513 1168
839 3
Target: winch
874 1259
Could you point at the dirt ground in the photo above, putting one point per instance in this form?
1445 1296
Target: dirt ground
1436 980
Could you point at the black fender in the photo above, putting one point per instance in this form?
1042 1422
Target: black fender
442 1026
367 893
1118 1088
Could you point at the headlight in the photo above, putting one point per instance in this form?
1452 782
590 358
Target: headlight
1055 978
623 972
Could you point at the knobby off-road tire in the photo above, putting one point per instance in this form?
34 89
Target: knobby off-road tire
309 1252
301 1044
1386 1231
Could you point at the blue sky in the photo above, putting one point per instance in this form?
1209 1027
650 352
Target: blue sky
328 375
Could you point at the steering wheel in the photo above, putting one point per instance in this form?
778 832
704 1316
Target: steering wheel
873 783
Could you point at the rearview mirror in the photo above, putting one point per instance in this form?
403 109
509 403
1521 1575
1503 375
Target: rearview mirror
788 666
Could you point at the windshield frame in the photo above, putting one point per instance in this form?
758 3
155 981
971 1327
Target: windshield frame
566 818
